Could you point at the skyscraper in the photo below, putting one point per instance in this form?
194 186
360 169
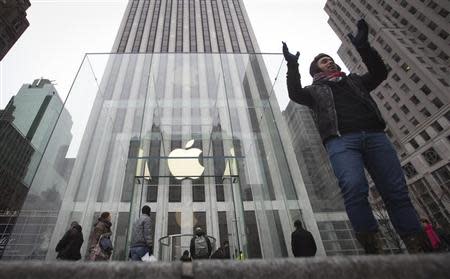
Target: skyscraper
13 23
320 182
412 37
26 125
183 119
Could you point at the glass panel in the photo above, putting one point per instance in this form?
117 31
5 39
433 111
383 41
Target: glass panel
197 137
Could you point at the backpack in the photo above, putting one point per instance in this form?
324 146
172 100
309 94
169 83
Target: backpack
201 247
102 250
105 244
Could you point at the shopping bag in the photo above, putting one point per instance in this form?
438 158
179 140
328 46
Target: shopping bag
148 258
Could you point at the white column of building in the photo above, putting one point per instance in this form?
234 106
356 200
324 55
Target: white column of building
184 84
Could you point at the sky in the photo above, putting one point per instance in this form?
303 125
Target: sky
62 31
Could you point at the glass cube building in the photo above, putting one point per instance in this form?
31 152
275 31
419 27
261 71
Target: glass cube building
183 117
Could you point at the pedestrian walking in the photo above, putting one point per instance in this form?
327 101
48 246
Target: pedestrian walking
141 236
302 241
433 237
68 248
100 244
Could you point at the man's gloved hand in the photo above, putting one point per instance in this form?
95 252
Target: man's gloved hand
290 58
362 36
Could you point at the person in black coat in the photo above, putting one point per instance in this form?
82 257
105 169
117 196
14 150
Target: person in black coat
223 252
200 247
68 248
352 131
302 241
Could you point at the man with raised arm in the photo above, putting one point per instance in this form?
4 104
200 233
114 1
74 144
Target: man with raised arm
352 129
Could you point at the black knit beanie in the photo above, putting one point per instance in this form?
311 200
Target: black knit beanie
314 68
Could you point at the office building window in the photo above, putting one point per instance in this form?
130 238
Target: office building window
152 193
443 12
396 97
405 67
415 78
447 116
380 96
437 102
395 117
425 90
404 109
404 88
442 176
387 106
198 193
425 112
443 34
414 143
411 50
414 100
437 127
432 46
443 56
443 82
396 57
412 29
173 223
425 135
395 77
432 5
223 226
422 37
387 48
432 25
253 244
414 121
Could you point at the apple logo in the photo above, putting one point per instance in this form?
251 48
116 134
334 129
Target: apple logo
184 162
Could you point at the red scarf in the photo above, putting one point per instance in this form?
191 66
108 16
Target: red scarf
329 76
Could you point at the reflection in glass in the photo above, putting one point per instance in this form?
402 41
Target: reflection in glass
197 137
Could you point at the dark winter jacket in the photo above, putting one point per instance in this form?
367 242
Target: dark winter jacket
222 253
319 97
141 234
303 244
192 246
68 248
102 227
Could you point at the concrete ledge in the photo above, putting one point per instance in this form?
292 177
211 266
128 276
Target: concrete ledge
367 267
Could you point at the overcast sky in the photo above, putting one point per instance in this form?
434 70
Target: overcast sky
62 31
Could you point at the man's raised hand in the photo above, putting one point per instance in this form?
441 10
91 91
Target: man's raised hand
362 36
290 58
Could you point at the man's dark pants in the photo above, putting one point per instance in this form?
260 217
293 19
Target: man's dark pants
349 154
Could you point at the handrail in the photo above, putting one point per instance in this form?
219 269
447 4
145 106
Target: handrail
168 247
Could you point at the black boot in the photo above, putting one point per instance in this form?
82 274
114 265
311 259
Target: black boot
371 242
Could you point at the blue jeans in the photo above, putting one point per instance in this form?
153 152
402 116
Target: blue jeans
136 253
349 154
